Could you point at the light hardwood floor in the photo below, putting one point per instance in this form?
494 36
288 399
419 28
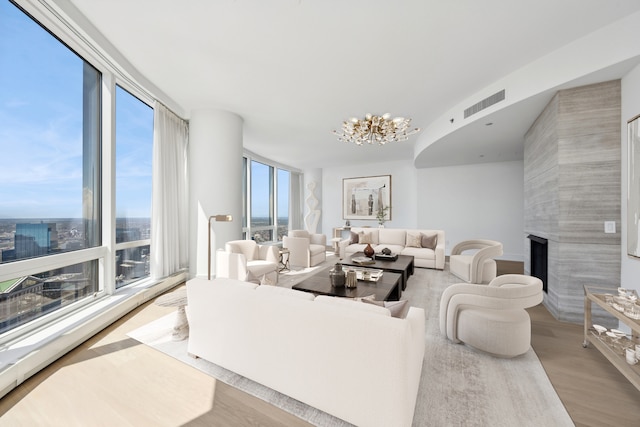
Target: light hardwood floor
113 380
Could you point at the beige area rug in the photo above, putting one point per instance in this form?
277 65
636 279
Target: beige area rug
459 386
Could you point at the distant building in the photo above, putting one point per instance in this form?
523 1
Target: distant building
33 240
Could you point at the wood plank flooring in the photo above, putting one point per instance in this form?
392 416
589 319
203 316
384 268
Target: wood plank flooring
114 380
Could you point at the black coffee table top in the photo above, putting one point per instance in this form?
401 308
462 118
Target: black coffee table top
404 262
403 265
387 288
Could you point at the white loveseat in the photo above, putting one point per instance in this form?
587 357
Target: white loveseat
424 253
346 358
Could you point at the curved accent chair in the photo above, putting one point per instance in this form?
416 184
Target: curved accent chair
305 249
478 266
491 318
246 260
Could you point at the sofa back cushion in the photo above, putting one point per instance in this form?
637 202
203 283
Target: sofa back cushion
392 236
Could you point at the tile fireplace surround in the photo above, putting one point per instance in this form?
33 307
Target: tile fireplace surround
571 185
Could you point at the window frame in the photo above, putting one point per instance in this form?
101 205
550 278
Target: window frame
247 229
49 18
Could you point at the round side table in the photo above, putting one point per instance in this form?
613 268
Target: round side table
177 299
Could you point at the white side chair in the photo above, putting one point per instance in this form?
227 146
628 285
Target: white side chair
491 318
472 260
305 249
248 261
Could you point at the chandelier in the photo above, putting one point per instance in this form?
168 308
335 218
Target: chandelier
380 129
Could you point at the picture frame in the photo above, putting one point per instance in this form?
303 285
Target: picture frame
363 197
633 186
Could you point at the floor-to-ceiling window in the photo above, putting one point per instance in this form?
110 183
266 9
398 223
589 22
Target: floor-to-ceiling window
55 190
134 153
267 200
50 188
262 193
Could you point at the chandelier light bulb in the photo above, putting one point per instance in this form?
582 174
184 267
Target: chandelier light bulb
375 129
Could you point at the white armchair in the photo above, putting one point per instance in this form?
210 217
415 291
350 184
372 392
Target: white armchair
248 261
478 266
305 249
491 318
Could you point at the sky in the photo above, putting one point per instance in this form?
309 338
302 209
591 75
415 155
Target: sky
41 98
41 129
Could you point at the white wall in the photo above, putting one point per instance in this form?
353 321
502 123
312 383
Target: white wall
473 201
403 193
483 201
629 266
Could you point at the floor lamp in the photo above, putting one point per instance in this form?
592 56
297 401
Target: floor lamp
221 218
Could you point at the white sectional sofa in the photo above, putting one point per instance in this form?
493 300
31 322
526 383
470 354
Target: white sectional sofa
344 357
428 251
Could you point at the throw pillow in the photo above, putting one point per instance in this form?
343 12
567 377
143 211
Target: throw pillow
398 309
429 241
413 240
354 237
365 237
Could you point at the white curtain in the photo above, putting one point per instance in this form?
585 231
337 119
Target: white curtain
169 204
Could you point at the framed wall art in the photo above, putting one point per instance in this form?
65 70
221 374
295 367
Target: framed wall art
633 186
365 197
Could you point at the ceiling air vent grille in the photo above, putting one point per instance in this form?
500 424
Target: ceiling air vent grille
485 103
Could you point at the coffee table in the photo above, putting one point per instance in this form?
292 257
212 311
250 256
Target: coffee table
387 288
403 265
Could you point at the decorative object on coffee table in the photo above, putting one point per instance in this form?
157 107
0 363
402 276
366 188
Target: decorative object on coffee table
337 276
386 255
352 280
368 251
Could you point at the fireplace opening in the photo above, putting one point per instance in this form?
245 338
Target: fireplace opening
539 259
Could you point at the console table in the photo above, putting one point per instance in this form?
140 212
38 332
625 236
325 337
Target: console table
337 237
613 350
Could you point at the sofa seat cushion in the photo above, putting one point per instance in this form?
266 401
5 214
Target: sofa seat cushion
351 249
422 253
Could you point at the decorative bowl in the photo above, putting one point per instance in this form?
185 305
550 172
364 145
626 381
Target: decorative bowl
599 328
618 333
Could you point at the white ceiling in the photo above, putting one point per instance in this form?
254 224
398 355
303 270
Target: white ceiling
295 69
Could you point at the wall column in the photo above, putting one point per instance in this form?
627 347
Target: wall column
215 184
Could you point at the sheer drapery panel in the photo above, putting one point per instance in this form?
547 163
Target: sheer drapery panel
169 205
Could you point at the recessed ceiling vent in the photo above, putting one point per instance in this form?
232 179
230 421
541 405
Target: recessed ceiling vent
485 103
